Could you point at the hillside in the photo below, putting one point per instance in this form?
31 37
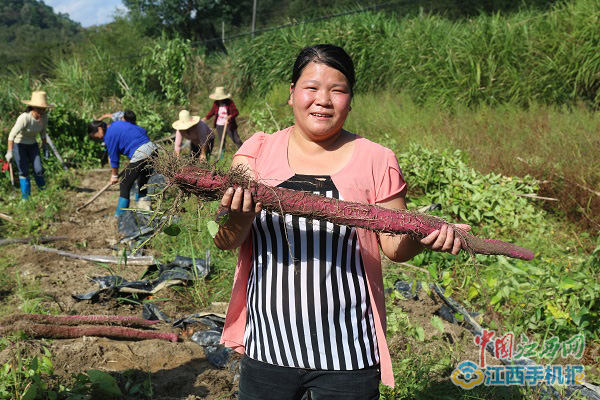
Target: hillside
29 30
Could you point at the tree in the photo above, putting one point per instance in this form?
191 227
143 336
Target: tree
29 32
196 20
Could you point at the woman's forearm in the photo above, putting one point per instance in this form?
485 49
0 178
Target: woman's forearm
400 248
234 232
10 145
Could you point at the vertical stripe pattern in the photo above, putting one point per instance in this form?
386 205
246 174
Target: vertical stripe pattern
307 298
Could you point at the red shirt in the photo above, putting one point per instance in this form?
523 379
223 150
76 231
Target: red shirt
231 111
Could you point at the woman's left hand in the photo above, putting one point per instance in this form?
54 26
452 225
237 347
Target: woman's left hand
444 239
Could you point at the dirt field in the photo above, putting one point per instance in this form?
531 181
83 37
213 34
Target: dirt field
175 370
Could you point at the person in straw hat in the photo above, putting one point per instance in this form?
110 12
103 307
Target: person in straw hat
223 109
196 131
22 143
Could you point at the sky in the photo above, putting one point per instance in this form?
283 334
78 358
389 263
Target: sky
88 12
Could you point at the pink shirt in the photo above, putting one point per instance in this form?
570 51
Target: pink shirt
222 115
372 176
198 135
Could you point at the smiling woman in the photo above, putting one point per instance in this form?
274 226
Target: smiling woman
307 306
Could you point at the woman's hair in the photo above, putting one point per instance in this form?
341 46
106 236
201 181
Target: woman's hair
129 116
93 128
328 54
28 109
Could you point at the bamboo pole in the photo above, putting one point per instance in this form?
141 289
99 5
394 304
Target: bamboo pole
131 260
43 239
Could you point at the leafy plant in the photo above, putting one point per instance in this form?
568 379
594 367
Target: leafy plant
490 200
166 65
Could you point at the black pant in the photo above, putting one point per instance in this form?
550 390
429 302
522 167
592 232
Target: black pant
233 135
262 381
140 171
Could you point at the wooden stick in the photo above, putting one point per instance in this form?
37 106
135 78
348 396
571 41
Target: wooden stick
12 175
131 260
8 218
223 137
170 137
535 196
56 153
97 194
99 170
43 239
94 197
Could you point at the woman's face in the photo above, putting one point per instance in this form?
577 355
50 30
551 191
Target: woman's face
321 101
99 135
38 112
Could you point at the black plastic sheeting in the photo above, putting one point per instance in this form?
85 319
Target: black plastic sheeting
151 312
216 354
134 225
138 226
155 184
180 271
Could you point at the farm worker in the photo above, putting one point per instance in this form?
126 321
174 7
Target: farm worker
223 109
307 307
196 131
127 116
22 144
126 138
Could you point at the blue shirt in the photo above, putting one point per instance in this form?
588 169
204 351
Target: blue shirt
123 138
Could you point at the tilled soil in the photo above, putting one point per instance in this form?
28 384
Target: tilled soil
175 370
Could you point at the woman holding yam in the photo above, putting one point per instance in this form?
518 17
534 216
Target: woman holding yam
307 307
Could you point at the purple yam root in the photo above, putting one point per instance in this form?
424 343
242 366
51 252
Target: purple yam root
211 185
78 320
71 332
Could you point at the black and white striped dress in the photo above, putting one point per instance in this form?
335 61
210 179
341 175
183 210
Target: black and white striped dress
307 298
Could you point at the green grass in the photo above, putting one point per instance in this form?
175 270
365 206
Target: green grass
527 57
558 144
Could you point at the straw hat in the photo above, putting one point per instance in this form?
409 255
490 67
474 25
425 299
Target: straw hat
38 99
219 94
185 121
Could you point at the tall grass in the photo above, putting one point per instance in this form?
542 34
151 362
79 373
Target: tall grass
554 141
528 57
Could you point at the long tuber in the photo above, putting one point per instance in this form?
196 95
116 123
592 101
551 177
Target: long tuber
70 332
121 320
210 185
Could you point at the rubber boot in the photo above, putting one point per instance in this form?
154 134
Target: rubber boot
123 203
40 182
25 188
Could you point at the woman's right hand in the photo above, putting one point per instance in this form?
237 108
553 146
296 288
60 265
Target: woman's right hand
239 204
9 155
236 212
